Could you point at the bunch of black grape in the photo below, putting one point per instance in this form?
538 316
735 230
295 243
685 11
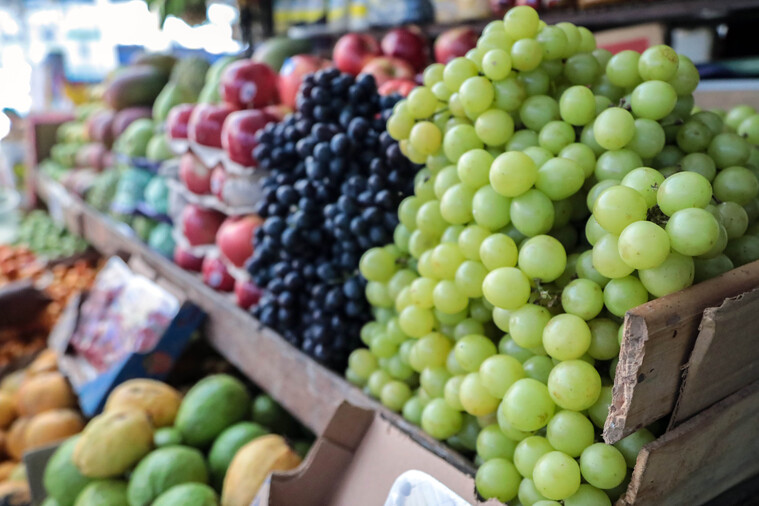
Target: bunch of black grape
336 179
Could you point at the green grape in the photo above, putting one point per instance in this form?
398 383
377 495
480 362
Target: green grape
583 298
400 279
603 87
736 184
686 79
513 173
378 295
383 346
538 154
617 164
480 309
471 239
521 22
581 69
560 178
521 140
451 234
631 445
433 74
496 39
600 409
683 190
496 64
538 368
556 135
426 138
603 466
509 94
469 278
588 495
507 346
658 63
587 42
622 69
395 394
528 495
451 392
597 189
498 250
495 127
416 321
448 298
528 451
424 264
433 380
490 209
562 211
407 211
643 244
377 380
588 138
624 293
674 274
457 71
476 94
475 398
649 138
421 102
447 177
456 204
527 406
601 55
574 385
569 432
445 260
460 139
412 410
692 231
537 110
498 372
429 219
492 443
693 136
653 100
526 325
734 218
526 55
472 350
377 265
668 158
401 236
582 155
743 250
440 420
728 149
506 287
619 206
532 213
497 478
645 181
700 163
466 327
554 42
586 270
542 257
362 363
566 337
603 339
573 37
556 475
737 115
445 319
577 106
614 128
536 82
399 126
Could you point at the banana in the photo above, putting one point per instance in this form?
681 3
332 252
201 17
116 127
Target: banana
252 464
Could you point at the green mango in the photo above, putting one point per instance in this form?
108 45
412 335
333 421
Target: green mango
172 94
134 141
158 148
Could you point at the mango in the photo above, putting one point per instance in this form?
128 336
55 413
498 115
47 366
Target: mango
159 400
62 479
163 469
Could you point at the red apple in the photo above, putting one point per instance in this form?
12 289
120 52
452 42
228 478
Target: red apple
216 275
186 260
407 44
353 51
199 225
238 135
195 176
277 112
400 86
218 180
248 294
454 43
385 68
235 238
292 72
206 122
178 119
248 84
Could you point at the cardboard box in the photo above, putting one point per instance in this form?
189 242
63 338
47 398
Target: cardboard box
356 461
155 363
637 38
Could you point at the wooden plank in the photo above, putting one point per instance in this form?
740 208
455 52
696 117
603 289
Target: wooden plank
725 357
706 455
658 340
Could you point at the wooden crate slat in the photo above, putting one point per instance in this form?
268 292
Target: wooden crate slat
658 339
708 454
725 357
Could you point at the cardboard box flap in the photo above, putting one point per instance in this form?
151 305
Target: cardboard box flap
348 425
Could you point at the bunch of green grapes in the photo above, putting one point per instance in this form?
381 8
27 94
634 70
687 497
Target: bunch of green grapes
562 186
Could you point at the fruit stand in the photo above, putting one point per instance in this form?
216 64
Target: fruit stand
518 265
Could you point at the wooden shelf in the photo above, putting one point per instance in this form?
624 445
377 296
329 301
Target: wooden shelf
594 17
309 391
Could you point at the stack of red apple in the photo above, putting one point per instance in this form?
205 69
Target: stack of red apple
220 178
